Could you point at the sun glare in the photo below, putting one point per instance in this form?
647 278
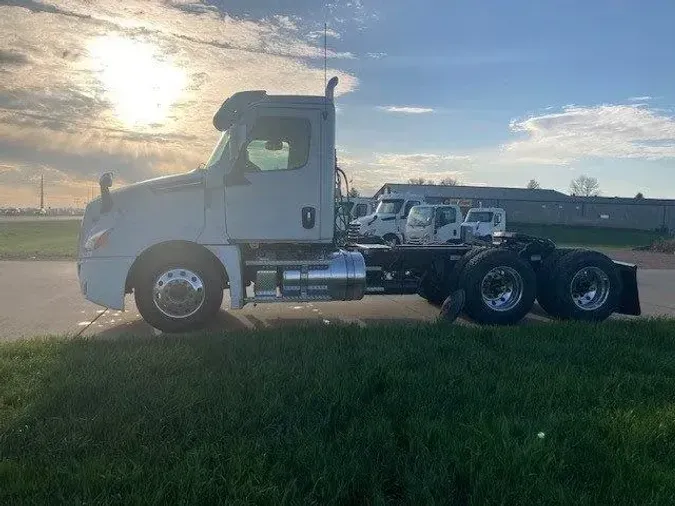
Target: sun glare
139 82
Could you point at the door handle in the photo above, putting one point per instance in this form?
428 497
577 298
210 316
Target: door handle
308 217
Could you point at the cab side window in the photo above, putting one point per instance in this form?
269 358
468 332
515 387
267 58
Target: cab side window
361 210
276 143
446 216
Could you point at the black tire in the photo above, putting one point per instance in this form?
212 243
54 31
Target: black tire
391 239
545 292
212 284
475 273
455 278
575 263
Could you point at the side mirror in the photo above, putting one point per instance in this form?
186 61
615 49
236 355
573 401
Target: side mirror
274 145
105 183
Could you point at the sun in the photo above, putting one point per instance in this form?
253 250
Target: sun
139 82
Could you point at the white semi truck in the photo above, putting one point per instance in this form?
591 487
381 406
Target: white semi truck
178 242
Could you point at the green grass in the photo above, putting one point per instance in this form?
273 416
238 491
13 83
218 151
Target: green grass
39 239
341 415
588 236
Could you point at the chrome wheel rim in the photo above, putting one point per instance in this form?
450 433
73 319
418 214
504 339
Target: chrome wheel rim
502 288
590 288
178 293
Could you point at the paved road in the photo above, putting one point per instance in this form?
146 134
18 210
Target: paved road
43 298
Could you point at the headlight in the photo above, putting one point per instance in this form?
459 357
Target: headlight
97 240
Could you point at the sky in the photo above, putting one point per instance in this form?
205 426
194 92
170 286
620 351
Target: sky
490 93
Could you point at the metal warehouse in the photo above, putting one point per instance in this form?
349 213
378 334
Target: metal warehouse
540 206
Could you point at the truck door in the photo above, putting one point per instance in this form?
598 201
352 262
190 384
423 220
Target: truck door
273 190
447 225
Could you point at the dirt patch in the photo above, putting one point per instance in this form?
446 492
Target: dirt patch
643 259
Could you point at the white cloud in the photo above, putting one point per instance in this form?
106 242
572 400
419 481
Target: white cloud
376 55
406 109
605 131
644 98
318 34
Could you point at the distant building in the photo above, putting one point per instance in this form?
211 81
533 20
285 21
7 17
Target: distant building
541 206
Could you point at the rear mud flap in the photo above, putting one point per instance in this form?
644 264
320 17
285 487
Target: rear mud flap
630 297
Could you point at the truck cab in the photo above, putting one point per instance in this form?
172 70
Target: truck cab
387 223
433 224
482 222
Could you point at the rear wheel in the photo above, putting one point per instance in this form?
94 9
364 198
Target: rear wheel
545 276
587 286
456 274
179 294
499 287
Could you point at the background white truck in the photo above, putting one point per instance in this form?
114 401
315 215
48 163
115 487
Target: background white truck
483 222
388 222
434 224
178 242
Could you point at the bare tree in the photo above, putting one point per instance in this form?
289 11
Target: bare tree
533 184
449 181
353 192
419 181
639 196
585 186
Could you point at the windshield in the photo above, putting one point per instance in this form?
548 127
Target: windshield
389 206
420 216
218 151
481 216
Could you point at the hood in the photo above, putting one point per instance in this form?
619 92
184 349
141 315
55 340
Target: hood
367 219
166 183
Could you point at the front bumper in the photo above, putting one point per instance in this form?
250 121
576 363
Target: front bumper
103 280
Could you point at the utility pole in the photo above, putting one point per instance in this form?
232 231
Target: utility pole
42 191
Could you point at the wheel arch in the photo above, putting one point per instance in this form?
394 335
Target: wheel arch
167 249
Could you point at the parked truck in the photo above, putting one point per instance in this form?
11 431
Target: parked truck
434 224
177 242
483 222
387 223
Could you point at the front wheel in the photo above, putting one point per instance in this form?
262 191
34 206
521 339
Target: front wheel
180 294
